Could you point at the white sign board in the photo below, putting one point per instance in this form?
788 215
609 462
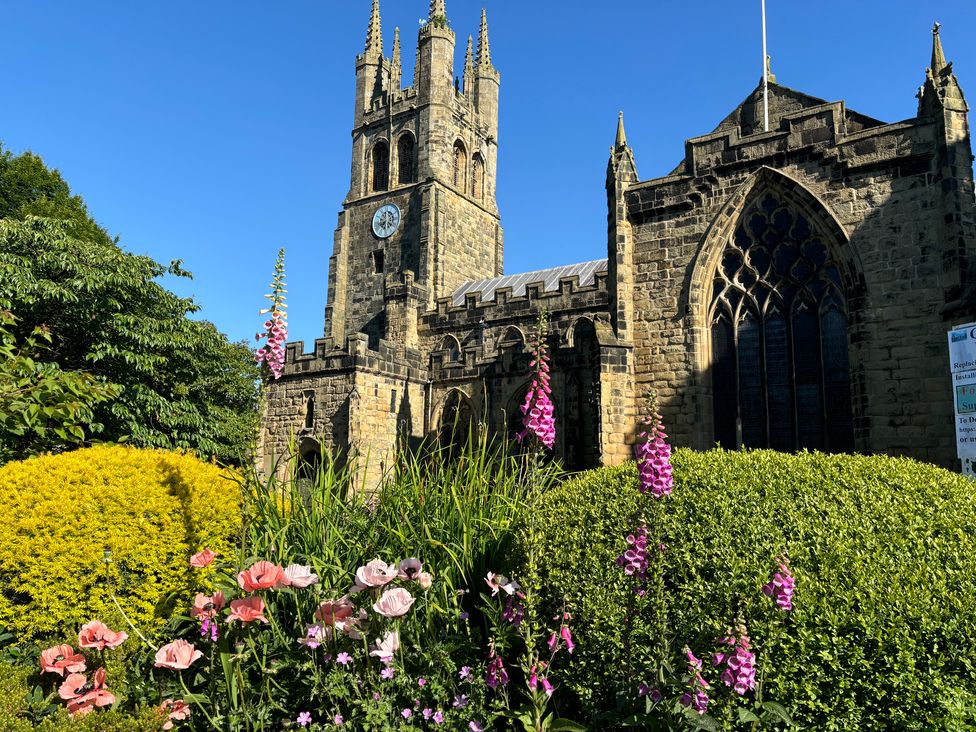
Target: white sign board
962 365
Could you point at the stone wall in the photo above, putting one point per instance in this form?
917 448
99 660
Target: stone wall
879 190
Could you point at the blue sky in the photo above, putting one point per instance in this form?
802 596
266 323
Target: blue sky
216 132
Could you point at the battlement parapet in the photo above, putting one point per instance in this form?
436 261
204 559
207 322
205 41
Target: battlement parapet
388 359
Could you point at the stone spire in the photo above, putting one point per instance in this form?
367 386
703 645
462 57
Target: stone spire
374 34
469 67
621 134
938 55
484 49
396 66
437 9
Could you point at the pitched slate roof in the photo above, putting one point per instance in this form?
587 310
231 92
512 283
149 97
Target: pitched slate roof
586 271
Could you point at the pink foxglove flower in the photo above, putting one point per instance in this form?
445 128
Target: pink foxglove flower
696 696
62 658
99 636
739 662
634 560
495 674
653 454
538 417
177 656
394 603
272 352
781 586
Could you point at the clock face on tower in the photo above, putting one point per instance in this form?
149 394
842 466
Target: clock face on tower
386 221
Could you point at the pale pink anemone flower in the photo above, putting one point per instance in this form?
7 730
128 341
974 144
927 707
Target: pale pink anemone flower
410 569
385 648
206 607
376 573
394 603
203 559
500 582
99 636
83 695
62 658
175 711
247 610
261 576
177 655
299 576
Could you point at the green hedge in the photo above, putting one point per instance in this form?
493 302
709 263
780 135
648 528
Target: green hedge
883 635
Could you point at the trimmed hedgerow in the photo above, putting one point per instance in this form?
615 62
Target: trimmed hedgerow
884 555
152 509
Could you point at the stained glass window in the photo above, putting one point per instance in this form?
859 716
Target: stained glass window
780 363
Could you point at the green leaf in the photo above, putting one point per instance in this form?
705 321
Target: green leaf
747 715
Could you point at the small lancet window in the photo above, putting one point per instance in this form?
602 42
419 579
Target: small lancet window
377 260
406 160
460 166
381 166
309 410
477 177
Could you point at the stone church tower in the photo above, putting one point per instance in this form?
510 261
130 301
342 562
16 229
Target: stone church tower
786 289
424 163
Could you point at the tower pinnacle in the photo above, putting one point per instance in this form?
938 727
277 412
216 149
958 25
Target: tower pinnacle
469 67
484 49
374 34
621 134
396 69
938 55
437 9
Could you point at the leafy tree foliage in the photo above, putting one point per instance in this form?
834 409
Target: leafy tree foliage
182 383
42 407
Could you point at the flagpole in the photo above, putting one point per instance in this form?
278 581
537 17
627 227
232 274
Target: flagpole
765 67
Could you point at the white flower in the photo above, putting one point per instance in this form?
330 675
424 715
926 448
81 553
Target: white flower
300 576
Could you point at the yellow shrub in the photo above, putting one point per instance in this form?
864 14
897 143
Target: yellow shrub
152 509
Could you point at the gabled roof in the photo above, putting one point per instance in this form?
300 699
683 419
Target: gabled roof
747 118
586 271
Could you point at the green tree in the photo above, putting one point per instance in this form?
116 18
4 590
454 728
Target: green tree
182 383
42 407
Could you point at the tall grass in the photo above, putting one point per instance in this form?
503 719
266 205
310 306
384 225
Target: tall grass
454 508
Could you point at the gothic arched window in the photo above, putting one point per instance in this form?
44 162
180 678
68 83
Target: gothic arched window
406 160
460 166
381 166
309 410
457 422
780 364
477 177
452 347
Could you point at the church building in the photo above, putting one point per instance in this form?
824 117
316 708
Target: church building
786 289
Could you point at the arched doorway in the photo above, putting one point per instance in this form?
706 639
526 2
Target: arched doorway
582 423
778 320
309 461
456 424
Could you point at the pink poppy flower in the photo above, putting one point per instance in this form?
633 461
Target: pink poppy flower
247 610
425 580
394 603
376 573
177 655
331 611
83 695
175 711
500 582
206 607
410 569
62 658
299 576
97 635
261 576
202 559
384 649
